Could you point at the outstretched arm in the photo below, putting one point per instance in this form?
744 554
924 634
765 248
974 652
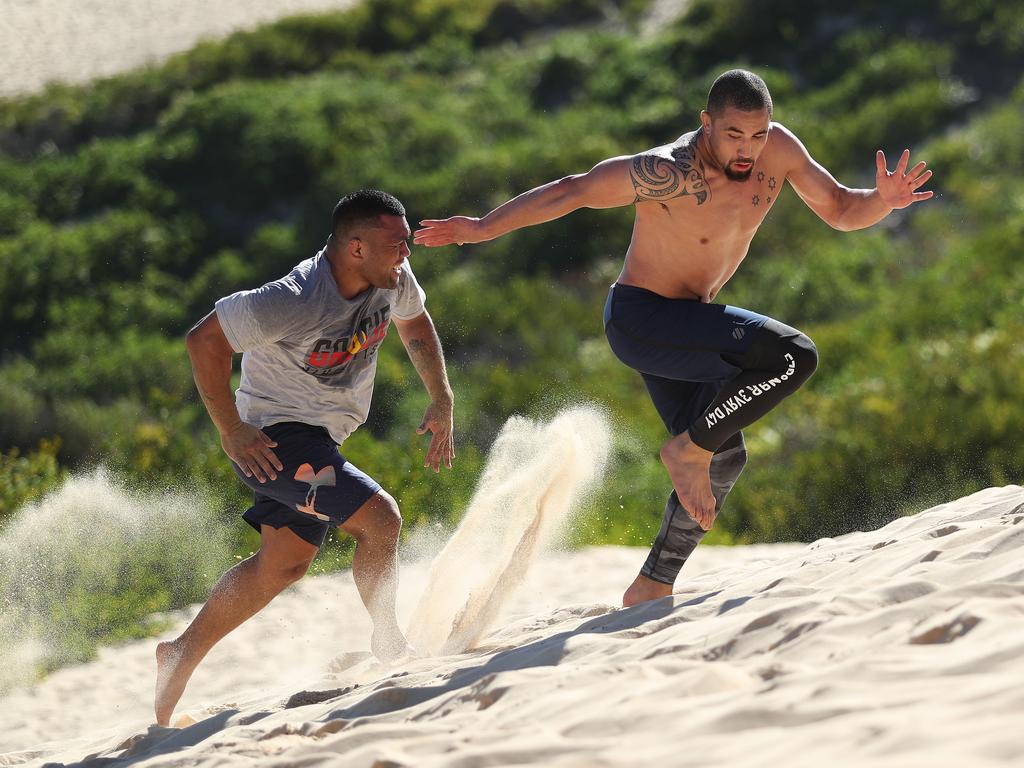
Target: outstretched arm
607 185
848 209
659 174
424 349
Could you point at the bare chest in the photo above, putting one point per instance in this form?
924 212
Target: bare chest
733 209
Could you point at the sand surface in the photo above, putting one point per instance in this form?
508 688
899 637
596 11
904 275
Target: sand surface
897 647
75 41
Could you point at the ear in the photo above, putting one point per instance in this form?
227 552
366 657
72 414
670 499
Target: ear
705 120
355 247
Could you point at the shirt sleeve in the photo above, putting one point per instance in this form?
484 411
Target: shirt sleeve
259 317
410 299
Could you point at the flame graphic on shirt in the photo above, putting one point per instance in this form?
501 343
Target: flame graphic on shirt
357 343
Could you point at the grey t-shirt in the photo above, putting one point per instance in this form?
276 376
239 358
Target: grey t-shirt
309 354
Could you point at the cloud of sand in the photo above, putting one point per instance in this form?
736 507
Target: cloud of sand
535 476
90 561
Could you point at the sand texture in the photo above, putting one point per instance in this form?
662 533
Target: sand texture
75 41
897 647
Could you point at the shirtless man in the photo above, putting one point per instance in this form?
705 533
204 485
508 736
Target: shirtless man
710 369
309 342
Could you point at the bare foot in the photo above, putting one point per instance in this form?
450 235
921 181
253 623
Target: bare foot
688 465
390 644
171 678
643 589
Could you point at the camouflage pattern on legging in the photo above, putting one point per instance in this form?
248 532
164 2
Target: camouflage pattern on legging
680 534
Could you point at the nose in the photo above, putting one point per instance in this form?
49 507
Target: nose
404 250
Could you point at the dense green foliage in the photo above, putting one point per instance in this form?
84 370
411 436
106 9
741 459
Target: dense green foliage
127 207
26 478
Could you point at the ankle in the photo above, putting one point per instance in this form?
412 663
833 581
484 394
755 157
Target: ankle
684 445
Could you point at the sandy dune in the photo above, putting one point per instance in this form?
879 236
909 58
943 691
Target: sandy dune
77 40
897 647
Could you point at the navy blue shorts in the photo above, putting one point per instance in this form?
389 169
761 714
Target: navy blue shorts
317 490
685 350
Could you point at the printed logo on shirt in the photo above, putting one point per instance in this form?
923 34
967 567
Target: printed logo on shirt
330 356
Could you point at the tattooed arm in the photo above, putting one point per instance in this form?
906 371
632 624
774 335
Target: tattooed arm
660 174
424 349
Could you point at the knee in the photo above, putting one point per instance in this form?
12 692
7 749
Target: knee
384 524
805 356
296 570
390 518
284 571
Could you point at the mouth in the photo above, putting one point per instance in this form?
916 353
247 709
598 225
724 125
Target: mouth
742 165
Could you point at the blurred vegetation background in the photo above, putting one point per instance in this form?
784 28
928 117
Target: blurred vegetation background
128 206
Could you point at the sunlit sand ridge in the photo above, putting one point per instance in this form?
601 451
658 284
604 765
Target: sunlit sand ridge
896 647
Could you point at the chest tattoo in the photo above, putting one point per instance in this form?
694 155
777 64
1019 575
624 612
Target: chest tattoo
660 178
756 199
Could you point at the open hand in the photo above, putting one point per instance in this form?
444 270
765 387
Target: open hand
249 448
899 188
457 229
438 420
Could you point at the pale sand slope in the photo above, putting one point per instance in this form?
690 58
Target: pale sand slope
898 647
79 40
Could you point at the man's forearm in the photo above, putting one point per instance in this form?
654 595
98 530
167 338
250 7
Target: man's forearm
540 204
212 373
860 208
424 348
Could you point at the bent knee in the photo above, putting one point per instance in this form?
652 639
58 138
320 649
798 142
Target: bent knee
805 356
389 516
284 571
296 570
379 519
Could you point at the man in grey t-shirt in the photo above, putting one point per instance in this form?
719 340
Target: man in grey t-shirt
309 346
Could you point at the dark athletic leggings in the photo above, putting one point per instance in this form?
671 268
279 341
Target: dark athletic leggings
778 360
711 369
686 349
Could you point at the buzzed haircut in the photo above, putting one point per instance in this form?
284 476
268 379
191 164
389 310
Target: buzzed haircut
362 208
739 89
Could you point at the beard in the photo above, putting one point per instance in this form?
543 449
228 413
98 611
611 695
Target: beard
734 175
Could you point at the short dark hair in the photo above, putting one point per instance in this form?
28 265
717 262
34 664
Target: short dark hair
363 207
739 89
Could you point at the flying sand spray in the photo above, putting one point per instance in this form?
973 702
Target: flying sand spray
536 475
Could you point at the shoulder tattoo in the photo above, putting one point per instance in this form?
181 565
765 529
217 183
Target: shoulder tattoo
660 178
